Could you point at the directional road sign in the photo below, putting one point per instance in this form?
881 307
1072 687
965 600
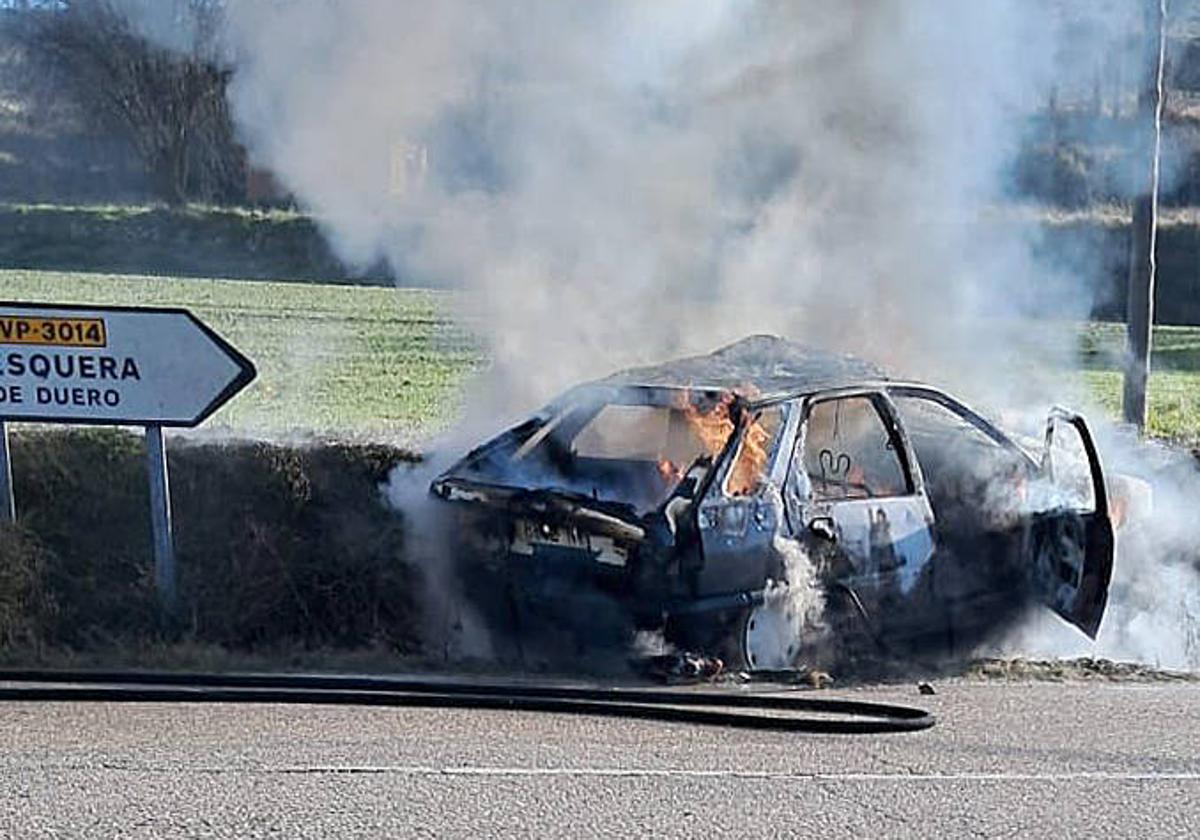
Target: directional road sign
113 365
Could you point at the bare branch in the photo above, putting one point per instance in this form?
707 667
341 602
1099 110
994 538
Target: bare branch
168 103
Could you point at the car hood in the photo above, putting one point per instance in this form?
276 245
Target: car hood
613 519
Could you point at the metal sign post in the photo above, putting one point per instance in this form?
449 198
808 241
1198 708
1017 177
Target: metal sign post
8 505
160 518
116 366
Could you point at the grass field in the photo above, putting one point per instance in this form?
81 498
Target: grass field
1174 396
338 360
386 363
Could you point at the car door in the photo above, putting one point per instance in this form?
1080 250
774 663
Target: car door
975 479
738 513
852 487
1071 536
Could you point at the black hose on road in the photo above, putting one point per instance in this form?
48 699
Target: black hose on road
711 708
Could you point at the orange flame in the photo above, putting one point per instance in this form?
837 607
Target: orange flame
713 427
668 471
751 460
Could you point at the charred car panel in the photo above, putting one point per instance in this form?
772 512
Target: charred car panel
724 497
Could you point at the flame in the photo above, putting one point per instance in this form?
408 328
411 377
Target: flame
713 427
751 460
669 472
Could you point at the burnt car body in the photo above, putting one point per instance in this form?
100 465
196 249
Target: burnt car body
768 503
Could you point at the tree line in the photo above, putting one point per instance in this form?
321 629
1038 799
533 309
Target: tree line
166 100
154 74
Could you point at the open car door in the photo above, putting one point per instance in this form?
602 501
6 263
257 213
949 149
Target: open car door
1071 538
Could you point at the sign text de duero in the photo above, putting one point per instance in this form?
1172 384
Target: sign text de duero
65 378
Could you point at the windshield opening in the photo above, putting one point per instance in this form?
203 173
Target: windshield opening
630 446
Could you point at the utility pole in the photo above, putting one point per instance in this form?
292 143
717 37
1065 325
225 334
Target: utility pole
1143 244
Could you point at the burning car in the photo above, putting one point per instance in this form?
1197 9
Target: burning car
768 503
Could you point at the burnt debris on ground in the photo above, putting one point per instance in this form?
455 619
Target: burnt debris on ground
1080 669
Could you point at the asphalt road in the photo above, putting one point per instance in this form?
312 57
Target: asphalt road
1026 760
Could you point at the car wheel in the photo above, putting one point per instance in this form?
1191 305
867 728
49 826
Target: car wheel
761 638
768 637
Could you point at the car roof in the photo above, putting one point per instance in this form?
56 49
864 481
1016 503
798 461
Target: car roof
770 366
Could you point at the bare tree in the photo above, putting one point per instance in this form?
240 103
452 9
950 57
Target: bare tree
167 101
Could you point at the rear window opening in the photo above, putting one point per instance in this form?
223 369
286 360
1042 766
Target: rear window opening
973 481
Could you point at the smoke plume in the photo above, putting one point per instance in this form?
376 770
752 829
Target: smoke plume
617 182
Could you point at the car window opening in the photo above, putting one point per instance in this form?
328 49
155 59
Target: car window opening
632 447
849 453
749 469
965 470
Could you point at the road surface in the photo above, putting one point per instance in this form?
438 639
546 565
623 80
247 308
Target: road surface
1007 759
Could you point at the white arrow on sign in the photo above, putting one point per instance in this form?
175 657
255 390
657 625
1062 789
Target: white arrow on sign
114 365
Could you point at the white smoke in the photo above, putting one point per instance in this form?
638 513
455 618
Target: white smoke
452 631
615 182
1153 614
799 596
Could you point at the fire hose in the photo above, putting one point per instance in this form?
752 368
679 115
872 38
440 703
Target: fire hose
740 710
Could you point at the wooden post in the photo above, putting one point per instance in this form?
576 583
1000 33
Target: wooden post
8 505
1143 263
160 519
1139 312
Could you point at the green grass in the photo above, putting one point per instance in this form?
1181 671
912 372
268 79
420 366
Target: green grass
1175 348
114 212
1174 402
385 363
374 362
1174 392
